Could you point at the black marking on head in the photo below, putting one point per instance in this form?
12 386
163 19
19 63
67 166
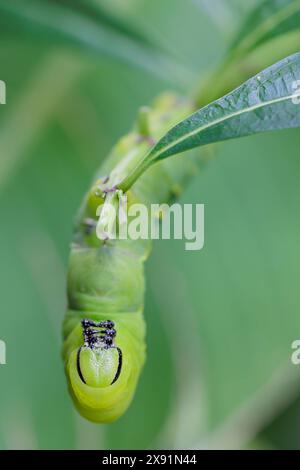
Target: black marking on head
112 333
85 323
78 366
107 324
119 365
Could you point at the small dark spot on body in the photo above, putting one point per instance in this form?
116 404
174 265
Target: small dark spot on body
89 225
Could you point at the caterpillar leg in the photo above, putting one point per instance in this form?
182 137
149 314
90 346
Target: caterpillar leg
86 323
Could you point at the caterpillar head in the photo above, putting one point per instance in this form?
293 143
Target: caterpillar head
101 373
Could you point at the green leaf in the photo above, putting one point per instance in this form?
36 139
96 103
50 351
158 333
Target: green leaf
265 102
269 19
83 25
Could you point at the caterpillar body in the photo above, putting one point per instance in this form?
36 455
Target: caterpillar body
104 330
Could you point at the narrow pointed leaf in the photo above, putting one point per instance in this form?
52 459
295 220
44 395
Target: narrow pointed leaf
266 102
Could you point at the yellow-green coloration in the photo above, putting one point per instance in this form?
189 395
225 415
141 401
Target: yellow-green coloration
96 399
106 279
109 280
98 366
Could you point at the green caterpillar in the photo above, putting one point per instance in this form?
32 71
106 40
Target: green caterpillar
104 330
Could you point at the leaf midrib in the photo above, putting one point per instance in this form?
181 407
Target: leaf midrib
220 120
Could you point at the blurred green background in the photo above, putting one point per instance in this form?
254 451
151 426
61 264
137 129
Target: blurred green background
234 305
